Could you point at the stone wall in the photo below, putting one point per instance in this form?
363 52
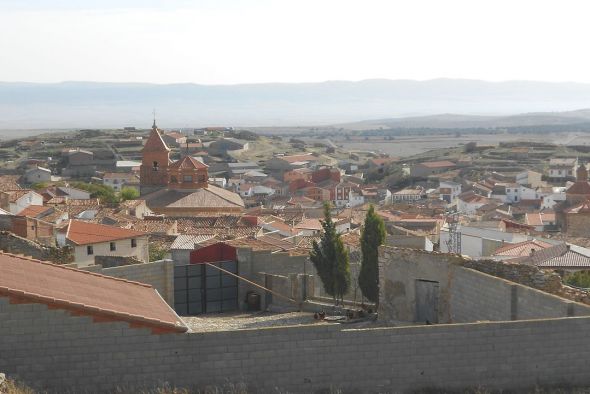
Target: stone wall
159 274
464 294
115 261
53 350
545 280
12 243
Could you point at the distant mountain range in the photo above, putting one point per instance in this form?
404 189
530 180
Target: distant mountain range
103 105
454 121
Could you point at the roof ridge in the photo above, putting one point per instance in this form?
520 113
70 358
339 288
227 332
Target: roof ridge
75 269
212 188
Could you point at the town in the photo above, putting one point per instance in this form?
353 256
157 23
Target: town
158 250
294 197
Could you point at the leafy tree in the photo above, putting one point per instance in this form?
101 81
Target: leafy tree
129 193
39 186
330 259
372 236
157 252
105 193
579 279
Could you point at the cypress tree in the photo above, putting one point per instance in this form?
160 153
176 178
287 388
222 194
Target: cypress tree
330 259
372 236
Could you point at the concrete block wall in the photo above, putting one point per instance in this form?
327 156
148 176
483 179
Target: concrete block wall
252 261
291 286
52 350
159 274
478 297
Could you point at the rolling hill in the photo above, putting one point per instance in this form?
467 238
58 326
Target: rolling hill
101 105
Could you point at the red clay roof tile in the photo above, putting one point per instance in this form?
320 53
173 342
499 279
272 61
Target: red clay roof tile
105 298
83 233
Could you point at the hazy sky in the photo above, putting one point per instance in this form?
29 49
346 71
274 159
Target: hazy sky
232 41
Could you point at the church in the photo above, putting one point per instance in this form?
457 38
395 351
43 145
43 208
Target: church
180 188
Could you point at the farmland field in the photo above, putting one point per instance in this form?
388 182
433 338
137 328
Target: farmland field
408 146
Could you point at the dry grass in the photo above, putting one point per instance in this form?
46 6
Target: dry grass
8 386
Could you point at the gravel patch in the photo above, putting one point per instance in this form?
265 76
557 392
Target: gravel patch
243 321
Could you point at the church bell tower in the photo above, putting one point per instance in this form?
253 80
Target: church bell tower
153 172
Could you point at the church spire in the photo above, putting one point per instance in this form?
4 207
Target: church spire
154 125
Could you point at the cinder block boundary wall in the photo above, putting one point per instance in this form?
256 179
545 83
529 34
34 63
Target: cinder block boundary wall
159 274
52 350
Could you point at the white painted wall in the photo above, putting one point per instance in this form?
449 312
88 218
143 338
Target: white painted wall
472 239
141 251
31 198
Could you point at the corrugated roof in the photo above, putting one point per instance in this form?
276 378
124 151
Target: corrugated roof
187 242
81 292
570 258
559 256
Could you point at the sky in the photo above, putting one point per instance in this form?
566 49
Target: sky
257 41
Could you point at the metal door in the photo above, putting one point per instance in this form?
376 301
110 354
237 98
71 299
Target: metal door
199 288
426 301
221 289
188 289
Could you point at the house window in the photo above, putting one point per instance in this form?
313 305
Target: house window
113 246
133 243
89 250
155 165
187 178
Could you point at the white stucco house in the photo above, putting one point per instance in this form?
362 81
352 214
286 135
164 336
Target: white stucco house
15 201
91 239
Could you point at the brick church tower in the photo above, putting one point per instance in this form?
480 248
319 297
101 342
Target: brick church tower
153 172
